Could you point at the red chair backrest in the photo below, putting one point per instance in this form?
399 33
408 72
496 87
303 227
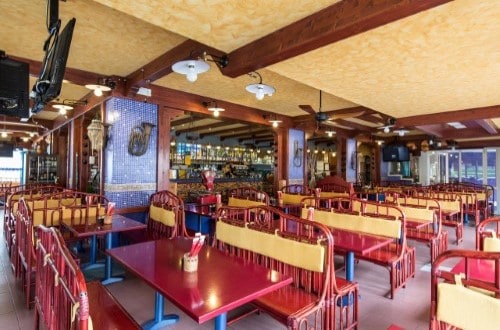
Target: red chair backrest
60 284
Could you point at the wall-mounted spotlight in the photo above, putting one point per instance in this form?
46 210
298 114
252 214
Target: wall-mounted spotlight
260 90
273 120
102 85
213 107
401 132
191 68
67 105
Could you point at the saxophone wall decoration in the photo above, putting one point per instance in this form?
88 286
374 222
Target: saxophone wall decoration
139 139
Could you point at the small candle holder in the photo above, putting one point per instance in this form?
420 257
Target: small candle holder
189 264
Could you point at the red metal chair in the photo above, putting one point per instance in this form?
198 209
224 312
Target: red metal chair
25 260
60 287
166 219
489 228
469 300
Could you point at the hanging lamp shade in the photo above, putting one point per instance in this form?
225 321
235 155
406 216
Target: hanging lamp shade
191 68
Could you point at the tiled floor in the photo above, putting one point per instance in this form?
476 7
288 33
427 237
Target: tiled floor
409 309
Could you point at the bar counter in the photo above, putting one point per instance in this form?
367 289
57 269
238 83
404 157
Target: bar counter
221 185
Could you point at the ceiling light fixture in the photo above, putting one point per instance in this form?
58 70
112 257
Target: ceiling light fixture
63 108
260 90
67 105
401 132
103 85
275 121
213 107
191 68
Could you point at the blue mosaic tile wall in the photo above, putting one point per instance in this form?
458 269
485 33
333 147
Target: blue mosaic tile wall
129 180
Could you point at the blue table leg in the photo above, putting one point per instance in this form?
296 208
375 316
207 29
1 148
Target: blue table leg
92 264
221 321
349 266
160 320
108 279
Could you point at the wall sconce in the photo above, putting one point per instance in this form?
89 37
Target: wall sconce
389 124
260 90
330 133
67 105
213 107
275 122
193 67
103 85
95 133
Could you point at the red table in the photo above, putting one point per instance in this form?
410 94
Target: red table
354 242
478 269
119 224
221 283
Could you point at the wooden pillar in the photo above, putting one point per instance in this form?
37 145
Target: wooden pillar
341 157
165 116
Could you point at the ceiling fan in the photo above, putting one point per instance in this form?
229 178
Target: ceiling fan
327 118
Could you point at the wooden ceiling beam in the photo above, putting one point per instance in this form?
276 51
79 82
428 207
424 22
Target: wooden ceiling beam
372 119
74 76
353 125
487 125
256 137
221 132
339 21
186 120
246 133
450 116
183 101
162 65
453 134
478 144
202 127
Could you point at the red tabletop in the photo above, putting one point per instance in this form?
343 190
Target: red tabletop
221 283
119 224
478 269
358 242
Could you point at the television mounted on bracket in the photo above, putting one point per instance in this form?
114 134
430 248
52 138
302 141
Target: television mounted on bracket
14 87
49 83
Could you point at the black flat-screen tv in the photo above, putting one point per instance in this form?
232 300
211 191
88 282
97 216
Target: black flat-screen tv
395 153
6 149
48 85
14 87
